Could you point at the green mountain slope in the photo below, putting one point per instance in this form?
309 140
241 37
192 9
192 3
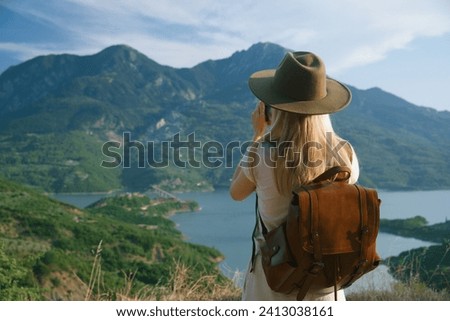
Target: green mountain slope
51 246
401 146
57 111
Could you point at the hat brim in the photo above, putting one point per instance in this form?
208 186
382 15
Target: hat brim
338 96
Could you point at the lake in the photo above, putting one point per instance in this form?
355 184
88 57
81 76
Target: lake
227 226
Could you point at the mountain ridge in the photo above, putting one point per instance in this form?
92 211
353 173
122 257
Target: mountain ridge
99 97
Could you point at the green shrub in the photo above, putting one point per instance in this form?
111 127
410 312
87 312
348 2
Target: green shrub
15 280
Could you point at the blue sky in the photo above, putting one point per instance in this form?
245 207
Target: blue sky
401 46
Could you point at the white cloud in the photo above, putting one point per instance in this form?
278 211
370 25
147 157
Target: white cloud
386 27
355 38
346 33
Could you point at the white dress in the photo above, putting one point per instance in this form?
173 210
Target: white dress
273 208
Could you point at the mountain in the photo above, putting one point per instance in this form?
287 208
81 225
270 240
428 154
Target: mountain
401 146
58 111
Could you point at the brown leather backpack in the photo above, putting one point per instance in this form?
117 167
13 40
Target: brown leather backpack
328 240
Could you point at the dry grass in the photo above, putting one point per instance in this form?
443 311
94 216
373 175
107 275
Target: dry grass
413 291
183 287
95 279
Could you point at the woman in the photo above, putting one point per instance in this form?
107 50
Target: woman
299 145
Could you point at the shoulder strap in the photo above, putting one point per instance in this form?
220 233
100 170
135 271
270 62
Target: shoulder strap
317 264
259 226
330 173
259 219
253 236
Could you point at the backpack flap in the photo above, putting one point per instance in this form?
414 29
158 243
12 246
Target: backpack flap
343 215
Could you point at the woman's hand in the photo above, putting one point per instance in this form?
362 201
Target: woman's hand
258 121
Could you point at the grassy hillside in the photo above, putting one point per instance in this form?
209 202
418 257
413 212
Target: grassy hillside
59 162
429 265
54 249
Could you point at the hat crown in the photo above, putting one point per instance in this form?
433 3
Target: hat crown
301 76
300 85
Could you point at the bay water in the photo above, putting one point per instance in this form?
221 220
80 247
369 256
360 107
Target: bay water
227 225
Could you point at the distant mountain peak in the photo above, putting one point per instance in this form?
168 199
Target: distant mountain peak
121 54
119 49
261 51
265 47
241 64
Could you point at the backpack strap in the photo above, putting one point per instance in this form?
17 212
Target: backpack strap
332 172
259 228
255 229
317 265
364 235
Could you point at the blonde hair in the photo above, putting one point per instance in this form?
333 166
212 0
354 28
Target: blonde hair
306 146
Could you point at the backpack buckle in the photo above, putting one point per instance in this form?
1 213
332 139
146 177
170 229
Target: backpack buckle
316 268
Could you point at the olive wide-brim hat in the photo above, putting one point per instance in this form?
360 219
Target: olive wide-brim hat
300 85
